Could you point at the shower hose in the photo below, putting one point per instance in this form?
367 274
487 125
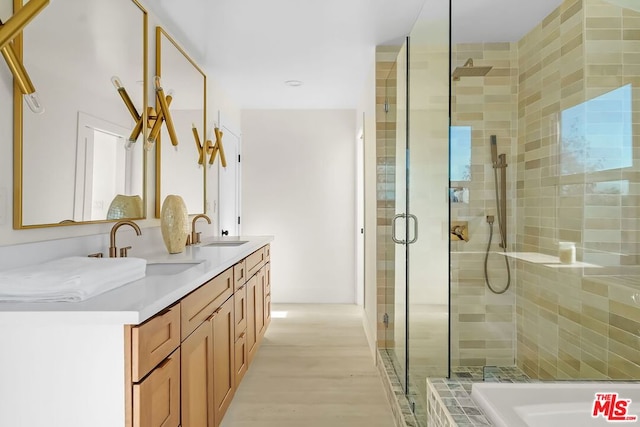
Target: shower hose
503 238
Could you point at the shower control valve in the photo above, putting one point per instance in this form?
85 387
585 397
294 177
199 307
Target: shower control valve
490 219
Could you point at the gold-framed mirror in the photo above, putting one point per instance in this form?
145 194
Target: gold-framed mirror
177 168
70 162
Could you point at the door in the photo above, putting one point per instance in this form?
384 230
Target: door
427 296
397 114
229 183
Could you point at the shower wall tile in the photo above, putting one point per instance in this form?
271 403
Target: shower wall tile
570 324
481 322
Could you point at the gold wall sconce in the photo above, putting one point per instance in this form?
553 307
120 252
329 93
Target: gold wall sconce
218 147
117 83
209 148
154 118
201 149
8 31
162 114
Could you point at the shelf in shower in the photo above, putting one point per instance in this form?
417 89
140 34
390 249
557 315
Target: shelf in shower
548 260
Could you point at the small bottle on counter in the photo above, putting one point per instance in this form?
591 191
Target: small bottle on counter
567 252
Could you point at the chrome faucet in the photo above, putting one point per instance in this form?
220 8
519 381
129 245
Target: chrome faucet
195 237
113 250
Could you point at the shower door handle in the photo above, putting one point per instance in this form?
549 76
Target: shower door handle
393 229
415 228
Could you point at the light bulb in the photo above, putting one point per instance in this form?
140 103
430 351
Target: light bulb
175 147
148 144
116 82
33 101
129 144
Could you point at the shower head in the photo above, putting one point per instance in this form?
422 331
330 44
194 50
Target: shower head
468 70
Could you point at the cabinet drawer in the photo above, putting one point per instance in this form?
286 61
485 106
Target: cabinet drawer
156 400
153 341
239 274
240 313
199 304
255 261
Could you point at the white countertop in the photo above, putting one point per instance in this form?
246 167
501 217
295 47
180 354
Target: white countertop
137 301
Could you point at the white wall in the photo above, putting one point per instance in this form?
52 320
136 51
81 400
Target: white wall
298 177
367 121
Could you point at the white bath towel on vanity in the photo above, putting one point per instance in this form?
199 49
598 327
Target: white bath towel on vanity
68 279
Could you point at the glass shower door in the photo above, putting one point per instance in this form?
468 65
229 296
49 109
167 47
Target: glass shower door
400 224
428 200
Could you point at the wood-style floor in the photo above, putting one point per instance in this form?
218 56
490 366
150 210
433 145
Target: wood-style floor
313 369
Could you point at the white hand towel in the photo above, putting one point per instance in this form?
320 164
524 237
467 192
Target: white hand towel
69 279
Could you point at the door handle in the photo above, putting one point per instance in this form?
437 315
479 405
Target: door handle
225 232
415 228
393 229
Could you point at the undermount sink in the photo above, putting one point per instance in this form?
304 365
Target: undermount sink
226 243
169 268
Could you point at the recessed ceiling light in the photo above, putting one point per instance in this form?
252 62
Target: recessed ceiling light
293 83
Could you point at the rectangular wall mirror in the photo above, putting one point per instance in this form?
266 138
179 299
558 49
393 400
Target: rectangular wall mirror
71 164
177 168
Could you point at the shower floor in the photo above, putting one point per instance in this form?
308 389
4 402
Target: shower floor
417 393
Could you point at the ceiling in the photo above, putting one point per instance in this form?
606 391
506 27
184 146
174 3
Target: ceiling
251 47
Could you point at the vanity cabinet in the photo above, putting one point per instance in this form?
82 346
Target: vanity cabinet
166 350
184 364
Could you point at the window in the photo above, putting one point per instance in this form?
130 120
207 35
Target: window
596 135
460 153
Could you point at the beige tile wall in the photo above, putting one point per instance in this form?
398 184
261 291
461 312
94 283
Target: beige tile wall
482 331
574 322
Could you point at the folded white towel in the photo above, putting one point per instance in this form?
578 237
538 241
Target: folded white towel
69 279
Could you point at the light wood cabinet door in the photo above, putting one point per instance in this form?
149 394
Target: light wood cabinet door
267 273
267 311
156 400
224 374
241 355
252 311
197 378
260 294
240 311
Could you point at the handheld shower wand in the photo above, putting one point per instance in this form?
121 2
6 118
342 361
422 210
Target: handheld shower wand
498 162
494 150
